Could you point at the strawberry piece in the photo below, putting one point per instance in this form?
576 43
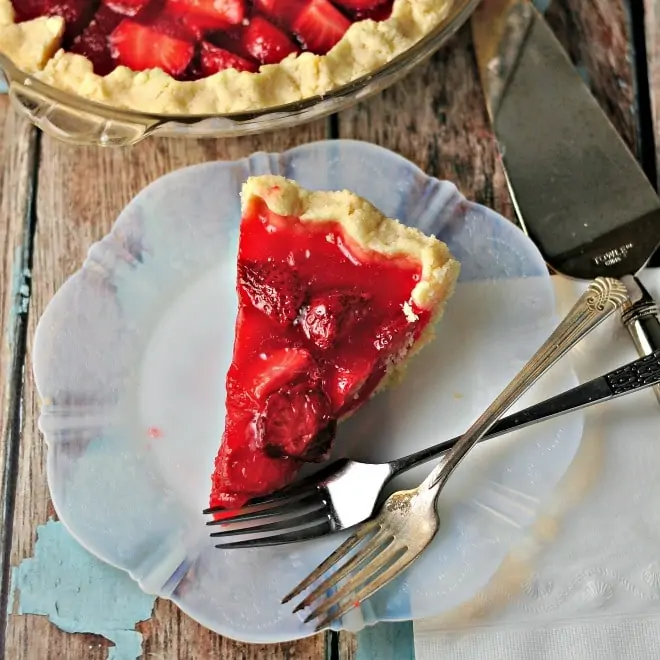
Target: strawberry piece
296 423
320 26
140 47
93 42
380 12
248 474
283 12
126 7
344 384
358 5
196 25
106 19
175 25
392 336
214 59
266 43
26 10
280 368
329 316
273 289
231 12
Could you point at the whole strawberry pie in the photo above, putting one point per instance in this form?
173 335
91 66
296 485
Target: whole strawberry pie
208 56
333 299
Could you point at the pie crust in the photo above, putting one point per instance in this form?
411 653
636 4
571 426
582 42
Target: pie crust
33 46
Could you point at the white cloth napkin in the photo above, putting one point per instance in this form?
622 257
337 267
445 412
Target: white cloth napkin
586 584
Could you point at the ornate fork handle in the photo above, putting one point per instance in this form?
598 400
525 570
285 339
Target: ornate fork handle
603 297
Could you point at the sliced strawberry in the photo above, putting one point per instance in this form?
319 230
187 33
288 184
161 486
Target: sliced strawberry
76 14
273 289
248 473
230 12
266 43
281 12
190 27
296 423
330 315
106 19
26 10
392 336
197 25
214 59
320 26
280 368
359 4
93 42
126 7
380 12
345 382
140 47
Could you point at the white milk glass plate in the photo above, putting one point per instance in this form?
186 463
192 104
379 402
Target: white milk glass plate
130 358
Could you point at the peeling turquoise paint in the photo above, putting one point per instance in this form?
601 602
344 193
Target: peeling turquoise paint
20 295
79 593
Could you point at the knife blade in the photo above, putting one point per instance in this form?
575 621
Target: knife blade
577 190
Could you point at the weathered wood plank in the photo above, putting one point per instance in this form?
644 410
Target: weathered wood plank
652 24
80 193
17 158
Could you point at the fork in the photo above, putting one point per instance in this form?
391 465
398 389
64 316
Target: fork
408 520
334 502
347 492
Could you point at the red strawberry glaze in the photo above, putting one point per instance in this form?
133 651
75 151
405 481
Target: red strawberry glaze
192 39
293 376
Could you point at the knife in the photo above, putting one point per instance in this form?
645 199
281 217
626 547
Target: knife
578 192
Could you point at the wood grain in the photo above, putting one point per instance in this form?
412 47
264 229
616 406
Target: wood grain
17 153
17 158
652 24
80 192
435 117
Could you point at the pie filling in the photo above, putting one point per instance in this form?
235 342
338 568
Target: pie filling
193 39
320 320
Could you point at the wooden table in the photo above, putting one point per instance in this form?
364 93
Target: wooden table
57 199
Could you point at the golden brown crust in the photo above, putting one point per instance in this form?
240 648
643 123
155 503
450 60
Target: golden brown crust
29 45
366 46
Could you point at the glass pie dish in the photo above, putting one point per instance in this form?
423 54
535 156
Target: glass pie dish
74 119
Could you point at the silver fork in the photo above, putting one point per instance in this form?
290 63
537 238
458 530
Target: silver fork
408 520
347 492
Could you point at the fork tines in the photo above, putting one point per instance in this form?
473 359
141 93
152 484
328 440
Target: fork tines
371 567
284 518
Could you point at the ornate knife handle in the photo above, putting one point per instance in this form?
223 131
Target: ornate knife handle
642 372
642 319
601 299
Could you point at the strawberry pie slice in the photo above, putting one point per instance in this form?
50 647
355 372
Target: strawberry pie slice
333 299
